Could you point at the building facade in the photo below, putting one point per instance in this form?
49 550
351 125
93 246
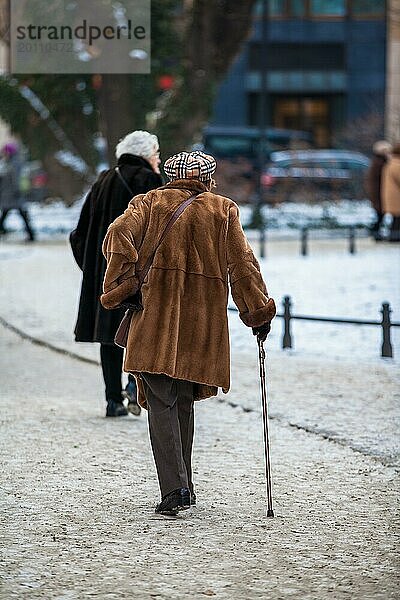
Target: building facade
324 63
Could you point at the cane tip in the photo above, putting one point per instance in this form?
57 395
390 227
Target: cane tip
270 513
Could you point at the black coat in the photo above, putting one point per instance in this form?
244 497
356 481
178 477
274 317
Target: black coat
106 201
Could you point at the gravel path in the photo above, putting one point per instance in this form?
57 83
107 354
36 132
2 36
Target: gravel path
78 491
355 404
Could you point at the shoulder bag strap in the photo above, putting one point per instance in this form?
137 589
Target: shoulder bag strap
175 216
123 180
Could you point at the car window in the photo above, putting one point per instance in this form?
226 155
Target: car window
313 163
329 163
353 165
282 164
308 164
229 145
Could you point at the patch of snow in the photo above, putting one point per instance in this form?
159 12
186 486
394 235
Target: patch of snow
56 219
293 215
53 220
331 283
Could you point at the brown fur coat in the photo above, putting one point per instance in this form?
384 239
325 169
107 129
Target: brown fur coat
391 186
183 329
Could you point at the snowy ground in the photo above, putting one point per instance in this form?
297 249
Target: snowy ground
78 490
40 295
329 282
295 215
55 220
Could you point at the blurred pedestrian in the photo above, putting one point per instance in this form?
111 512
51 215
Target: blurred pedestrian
137 172
178 345
381 151
12 197
391 192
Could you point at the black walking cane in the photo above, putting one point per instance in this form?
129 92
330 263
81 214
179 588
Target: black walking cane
261 356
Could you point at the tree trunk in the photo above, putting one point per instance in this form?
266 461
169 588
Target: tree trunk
214 32
116 117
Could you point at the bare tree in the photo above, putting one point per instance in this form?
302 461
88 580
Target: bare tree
361 133
206 37
209 35
212 35
116 113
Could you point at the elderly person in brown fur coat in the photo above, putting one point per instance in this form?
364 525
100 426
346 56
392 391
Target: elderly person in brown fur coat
178 345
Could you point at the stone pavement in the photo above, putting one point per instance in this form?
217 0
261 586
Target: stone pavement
78 492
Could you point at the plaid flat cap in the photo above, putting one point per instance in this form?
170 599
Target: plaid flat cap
190 165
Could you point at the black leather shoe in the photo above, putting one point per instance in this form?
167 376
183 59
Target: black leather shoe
115 409
174 502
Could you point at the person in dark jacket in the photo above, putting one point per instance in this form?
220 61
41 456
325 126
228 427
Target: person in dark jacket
137 172
11 196
381 151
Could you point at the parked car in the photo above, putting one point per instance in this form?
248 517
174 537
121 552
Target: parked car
314 175
233 142
237 152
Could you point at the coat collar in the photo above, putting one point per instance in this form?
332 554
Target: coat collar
193 185
134 160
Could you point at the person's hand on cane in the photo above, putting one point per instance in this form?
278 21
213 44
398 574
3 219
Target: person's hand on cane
262 331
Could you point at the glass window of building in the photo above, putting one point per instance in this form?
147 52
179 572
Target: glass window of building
320 8
328 8
285 8
276 8
304 114
257 9
368 8
298 8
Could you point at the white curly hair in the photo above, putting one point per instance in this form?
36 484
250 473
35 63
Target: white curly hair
141 143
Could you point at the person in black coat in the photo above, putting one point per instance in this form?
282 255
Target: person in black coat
138 172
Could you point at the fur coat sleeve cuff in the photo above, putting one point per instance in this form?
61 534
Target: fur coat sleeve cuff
259 317
120 279
113 298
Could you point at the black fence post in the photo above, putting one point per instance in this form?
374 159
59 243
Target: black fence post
262 241
287 336
352 240
304 241
387 350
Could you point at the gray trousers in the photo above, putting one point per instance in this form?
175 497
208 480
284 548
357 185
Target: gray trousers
171 426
